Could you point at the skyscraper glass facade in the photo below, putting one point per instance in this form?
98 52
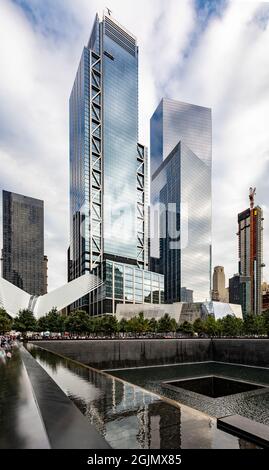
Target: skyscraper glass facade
175 121
23 243
120 88
250 247
108 167
79 259
181 199
240 292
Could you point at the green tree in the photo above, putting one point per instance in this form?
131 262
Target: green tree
91 325
260 325
219 327
25 321
256 324
77 322
123 325
239 326
173 325
99 326
53 322
186 328
138 324
266 322
165 324
249 325
198 326
110 324
210 326
232 326
43 324
153 325
5 322
143 323
132 326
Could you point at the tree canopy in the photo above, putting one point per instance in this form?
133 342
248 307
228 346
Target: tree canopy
52 322
166 324
80 322
25 321
5 322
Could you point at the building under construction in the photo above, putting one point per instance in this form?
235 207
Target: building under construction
250 244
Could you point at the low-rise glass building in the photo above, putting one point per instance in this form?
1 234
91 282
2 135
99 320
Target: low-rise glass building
125 284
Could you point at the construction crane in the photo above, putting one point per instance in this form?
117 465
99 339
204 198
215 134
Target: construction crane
252 194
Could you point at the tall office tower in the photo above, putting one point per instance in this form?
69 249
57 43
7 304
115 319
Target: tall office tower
250 248
219 292
23 242
239 292
181 161
109 172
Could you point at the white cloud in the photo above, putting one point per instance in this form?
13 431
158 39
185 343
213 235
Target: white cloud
229 71
226 68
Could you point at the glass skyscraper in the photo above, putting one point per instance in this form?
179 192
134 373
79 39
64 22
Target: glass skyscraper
250 249
240 292
181 167
24 264
108 167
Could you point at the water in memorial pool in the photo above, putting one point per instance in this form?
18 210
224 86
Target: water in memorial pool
253 404
128 416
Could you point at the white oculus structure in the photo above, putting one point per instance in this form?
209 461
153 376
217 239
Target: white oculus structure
13 299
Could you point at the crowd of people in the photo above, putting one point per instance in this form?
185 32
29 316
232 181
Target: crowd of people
7 343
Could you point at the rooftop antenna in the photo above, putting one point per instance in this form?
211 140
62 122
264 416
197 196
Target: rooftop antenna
252 193
109 12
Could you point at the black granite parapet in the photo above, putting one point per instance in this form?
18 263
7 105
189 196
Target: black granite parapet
240 426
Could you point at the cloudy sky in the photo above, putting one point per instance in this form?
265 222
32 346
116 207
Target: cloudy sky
210 53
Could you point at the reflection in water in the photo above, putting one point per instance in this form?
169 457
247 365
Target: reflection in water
253 404
20 424
10 373
126 416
